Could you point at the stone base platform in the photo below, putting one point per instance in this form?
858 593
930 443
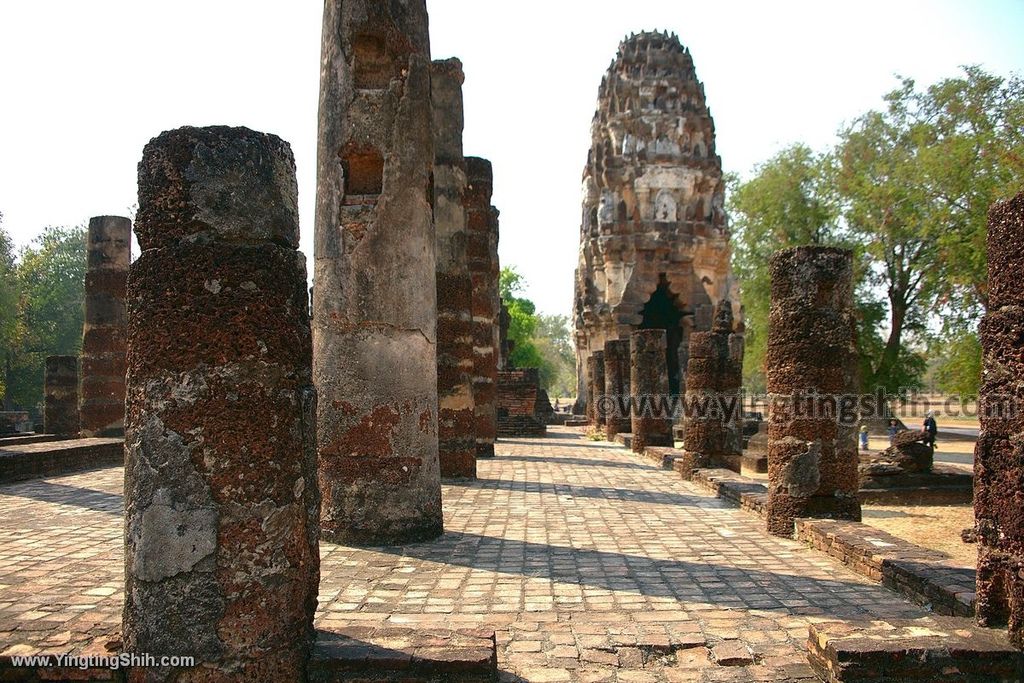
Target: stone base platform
944 485
357 653
930 649
748 494
755 462
925 576
575 421
33 437
662 456
365 653
52 458
624 439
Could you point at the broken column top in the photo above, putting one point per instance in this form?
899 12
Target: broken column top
479 171
824 273
217 183
109 243
446 79
723 318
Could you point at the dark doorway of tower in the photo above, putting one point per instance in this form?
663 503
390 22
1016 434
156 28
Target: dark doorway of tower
664 312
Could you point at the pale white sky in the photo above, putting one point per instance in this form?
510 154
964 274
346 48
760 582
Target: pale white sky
85 84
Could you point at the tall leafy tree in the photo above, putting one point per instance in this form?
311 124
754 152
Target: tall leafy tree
788 202
50 309
8 305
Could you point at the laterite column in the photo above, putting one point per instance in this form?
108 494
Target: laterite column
221 503
649 395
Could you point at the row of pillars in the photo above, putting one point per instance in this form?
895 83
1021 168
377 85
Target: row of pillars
236 466
91 402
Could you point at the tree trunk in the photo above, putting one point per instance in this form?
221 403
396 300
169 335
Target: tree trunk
891 353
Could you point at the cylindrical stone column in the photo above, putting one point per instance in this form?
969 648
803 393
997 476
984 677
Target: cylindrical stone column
591 403
375 299
999 453
482 255
60 395
456 434
221 502
105 327
714 376
616 384
597 378
812 373
650 408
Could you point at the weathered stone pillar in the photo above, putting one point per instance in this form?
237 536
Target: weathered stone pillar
456 435
482 253
714 376
650 401
104 331
812 371
221 503
999 453
375 301
60 395
590 402
616 384
597 389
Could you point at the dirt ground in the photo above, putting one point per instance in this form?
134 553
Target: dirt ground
936 527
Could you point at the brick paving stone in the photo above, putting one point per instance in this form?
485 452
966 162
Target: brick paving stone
590 563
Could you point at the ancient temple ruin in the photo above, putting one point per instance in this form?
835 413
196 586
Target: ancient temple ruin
374 298
998 462
456 415
654 242
104 346
221 532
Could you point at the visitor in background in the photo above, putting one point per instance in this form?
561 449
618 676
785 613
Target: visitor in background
893 428
863 437
931 428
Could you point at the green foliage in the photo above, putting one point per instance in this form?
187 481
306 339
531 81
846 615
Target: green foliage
908 189
50 281
788 202
538 341
8 299
958 367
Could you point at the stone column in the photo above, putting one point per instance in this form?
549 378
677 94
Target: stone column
812 367
60 395
221 502
649 397
616 384
713 379
999 453
375 300
597 391
482 253
104 331
456 435
590 402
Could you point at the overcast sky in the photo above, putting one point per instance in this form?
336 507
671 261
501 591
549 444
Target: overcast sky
85 84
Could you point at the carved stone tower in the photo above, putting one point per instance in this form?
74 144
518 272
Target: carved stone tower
654 244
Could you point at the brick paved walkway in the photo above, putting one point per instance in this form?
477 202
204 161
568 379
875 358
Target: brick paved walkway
591 564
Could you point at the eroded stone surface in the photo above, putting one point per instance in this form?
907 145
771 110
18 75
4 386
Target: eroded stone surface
714 378
221 502
60 396
999 453
482 254
654 241
375 299
456 415
651 418
104 330
812 368
616 384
